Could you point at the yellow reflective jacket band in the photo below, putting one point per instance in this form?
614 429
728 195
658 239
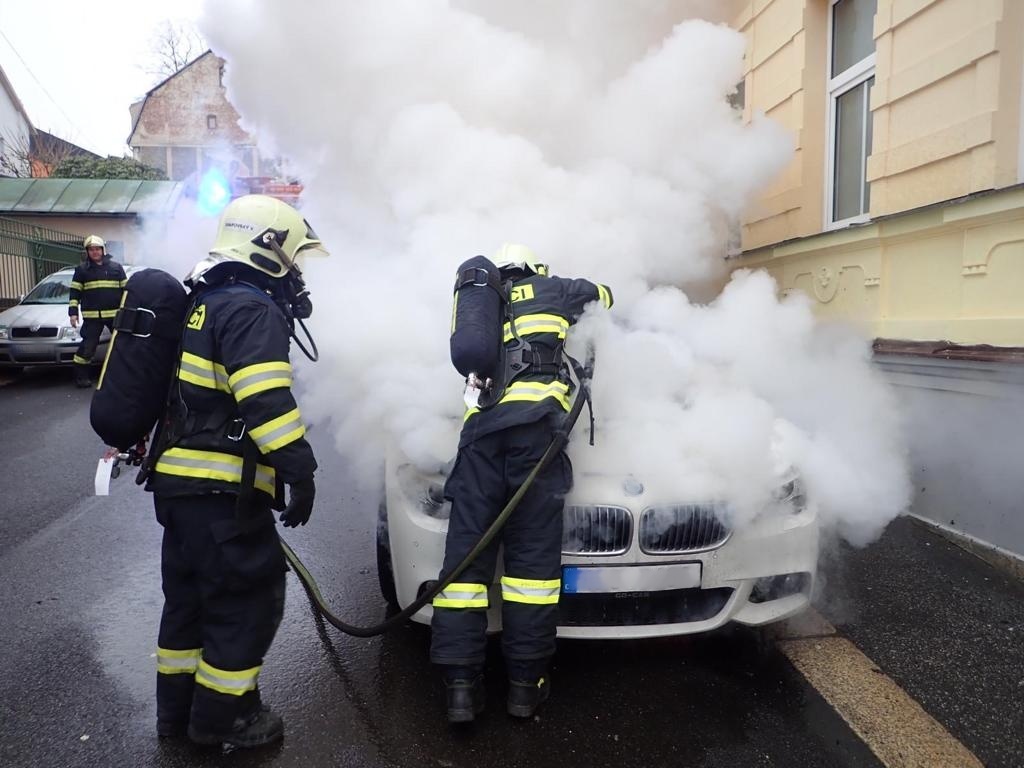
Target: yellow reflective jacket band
75 285
227 681
539 323
463 595
530 392
101 284
530 591
92 314
260 377
211 465
535 391
73 303
170 662
605 296
202 372
278 432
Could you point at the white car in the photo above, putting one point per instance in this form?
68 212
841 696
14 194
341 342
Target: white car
636 562
36 331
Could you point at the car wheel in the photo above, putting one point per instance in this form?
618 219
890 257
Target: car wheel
385 569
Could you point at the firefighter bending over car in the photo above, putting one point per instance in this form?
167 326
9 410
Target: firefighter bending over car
233 438
510 422
96 292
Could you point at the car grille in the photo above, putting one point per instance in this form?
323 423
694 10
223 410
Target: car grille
630 609
681 528
596 530
43 332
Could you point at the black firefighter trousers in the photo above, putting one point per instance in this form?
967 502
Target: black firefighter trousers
223 601
91 331
487 473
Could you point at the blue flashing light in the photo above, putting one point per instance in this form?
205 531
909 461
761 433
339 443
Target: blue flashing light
214 192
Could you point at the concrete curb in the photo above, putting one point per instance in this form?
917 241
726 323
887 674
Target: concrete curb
1006 561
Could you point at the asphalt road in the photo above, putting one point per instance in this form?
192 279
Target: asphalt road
80 599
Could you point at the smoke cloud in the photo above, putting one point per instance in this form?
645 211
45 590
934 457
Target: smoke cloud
598 133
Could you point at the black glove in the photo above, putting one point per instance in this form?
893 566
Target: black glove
300 503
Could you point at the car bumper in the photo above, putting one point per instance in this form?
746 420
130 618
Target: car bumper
733 581
24 352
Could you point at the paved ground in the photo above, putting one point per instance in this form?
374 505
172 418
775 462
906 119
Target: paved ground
80 599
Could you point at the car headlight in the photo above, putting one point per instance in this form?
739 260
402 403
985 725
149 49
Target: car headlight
424 491
5 332
69 332
793 494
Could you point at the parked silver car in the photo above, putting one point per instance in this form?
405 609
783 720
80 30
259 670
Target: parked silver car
36 331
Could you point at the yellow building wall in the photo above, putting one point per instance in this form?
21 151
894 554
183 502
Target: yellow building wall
947 272
947 113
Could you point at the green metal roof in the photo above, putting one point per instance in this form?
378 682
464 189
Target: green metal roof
77 197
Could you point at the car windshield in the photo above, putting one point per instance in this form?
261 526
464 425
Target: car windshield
56 289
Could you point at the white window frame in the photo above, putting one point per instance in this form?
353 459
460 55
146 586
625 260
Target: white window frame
1020 131
835 87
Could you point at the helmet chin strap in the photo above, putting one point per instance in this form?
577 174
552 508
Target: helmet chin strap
299 305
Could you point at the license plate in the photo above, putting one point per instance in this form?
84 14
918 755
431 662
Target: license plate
591 579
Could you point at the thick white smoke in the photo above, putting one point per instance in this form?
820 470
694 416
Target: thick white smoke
598 133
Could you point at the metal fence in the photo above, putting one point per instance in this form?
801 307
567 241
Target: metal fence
28 253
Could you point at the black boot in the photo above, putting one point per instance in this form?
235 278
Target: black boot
524 696
465 699
258 728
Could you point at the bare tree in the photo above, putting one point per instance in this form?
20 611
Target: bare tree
34 155
173 45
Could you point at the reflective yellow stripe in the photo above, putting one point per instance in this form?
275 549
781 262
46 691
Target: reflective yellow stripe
227 681
75 285
531 591
260 377
202 372
462 595
278 432
539 323
469 412
73 302
605 295
100 284
80 360
93 314
535 391
122 283
170 662
455 308
211 465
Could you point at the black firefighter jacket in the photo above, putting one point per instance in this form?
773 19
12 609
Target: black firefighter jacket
234 381
543 307
96 289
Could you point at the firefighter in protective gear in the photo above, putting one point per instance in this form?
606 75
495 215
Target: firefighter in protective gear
498 448
234 438
95 293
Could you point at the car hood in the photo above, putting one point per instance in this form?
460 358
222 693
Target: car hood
35 314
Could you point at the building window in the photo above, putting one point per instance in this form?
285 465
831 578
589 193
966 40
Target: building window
211 122
851 75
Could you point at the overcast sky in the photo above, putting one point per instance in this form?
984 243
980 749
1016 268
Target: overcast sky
77 66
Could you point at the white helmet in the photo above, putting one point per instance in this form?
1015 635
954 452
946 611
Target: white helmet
512 256
260 232
94 241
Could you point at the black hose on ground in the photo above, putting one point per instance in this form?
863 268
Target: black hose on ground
553 449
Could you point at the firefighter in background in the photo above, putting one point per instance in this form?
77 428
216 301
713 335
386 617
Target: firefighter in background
96 291
498 448
234 438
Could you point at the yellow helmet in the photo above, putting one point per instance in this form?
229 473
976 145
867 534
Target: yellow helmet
95 240
261 232
513 256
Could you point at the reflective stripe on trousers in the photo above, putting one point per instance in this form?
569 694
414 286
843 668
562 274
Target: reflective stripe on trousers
233 683
170 662
462 595
533 591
